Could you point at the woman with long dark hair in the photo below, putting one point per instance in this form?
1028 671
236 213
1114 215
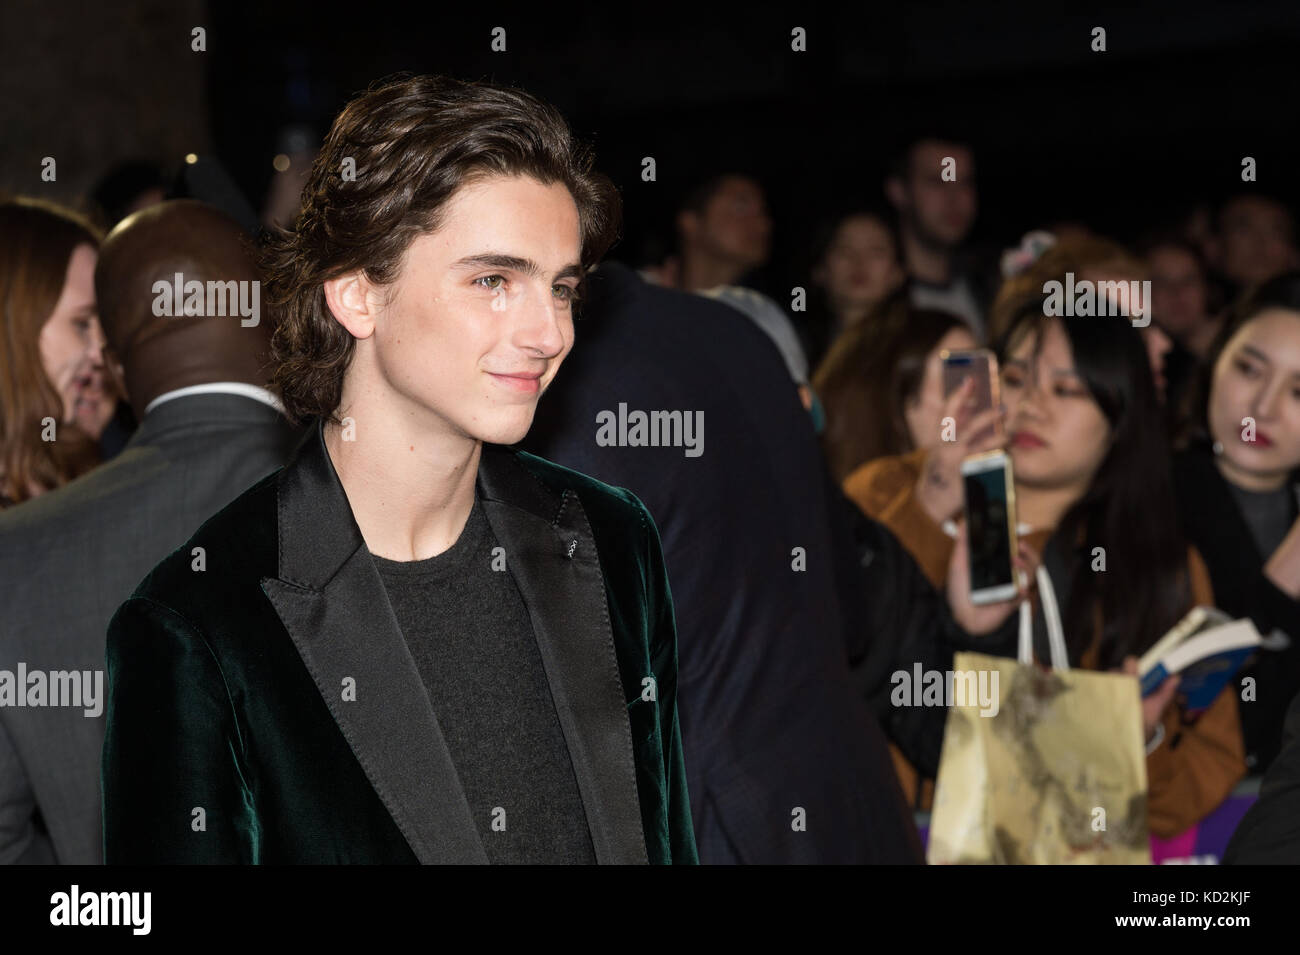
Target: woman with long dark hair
1094 496
55 397
882 384
1238 483
856 264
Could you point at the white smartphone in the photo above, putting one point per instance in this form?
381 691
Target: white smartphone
990 493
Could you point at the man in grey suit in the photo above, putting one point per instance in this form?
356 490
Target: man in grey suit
195 359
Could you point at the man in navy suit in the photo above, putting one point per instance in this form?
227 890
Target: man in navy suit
785 760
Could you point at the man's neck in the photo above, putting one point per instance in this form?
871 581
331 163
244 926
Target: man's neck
926 262
411 491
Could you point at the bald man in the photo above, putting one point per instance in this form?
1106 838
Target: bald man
179 299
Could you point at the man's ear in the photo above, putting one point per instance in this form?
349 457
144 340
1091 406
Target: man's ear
353 302
895 192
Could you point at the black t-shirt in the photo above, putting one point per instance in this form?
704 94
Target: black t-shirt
470 635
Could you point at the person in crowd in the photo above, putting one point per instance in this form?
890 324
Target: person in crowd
1254 240
55 396
1091 471
1237 484
724 233
1269 833
444 650
1088 258
210 428
932 186
790 625
856 265
882 384
776 324
1181 301
1184 306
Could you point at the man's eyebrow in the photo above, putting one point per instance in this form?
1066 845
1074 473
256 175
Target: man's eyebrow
513 263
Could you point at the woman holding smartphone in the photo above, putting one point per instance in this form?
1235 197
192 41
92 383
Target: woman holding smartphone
1237 486
1094 496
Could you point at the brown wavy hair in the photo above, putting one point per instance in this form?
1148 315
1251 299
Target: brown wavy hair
1069 255
870 374
37 238
414 141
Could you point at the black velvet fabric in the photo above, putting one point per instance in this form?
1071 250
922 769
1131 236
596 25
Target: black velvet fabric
265 709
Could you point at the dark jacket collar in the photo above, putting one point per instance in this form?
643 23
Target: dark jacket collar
332 603
190 411
312 551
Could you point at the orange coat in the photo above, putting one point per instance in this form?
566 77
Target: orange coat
1192 770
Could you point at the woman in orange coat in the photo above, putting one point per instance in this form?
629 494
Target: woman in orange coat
1094 496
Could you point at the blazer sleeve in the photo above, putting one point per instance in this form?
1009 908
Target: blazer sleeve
174 789
1196 765
663 663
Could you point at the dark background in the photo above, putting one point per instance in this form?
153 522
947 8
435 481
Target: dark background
1119 140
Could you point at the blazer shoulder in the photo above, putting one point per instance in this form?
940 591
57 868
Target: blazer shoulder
604 503
240 541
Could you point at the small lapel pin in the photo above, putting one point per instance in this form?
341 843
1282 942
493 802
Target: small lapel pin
573 545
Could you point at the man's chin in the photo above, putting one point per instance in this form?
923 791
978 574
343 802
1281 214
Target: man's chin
505 432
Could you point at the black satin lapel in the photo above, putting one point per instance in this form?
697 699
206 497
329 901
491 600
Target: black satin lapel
332 602
565 596
349 631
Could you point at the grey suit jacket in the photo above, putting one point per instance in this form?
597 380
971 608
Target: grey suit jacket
68 559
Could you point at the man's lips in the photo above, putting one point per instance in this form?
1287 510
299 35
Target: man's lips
526 382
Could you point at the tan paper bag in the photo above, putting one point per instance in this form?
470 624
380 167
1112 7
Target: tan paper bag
1055 773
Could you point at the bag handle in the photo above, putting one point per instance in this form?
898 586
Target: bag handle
1055 632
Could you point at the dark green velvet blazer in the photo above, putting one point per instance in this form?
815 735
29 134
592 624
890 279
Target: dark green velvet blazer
228 738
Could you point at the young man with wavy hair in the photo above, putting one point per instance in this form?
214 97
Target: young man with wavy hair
412 643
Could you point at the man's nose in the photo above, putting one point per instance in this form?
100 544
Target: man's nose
540 324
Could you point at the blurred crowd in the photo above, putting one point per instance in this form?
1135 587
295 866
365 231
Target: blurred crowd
1173 444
